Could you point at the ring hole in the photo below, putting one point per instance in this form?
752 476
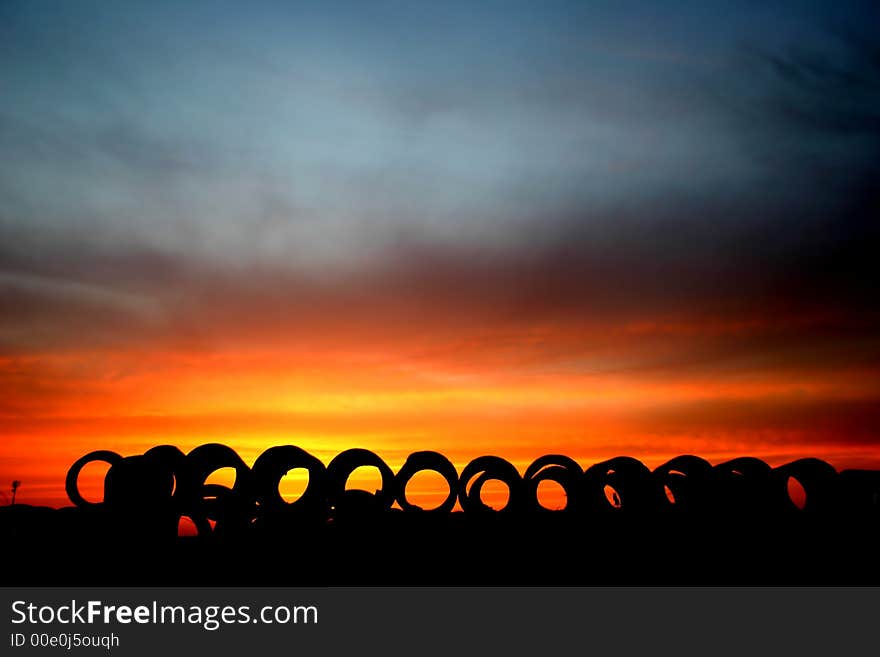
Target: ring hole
91 481
551 495
186 527
495 494
796 493
669 494
365 477
427 489
293 484
612 496
222 477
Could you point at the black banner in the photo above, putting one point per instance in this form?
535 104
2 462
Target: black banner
451 621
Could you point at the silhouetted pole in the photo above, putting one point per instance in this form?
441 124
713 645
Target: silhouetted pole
15 485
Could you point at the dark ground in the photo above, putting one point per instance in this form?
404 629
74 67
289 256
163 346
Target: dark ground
77 547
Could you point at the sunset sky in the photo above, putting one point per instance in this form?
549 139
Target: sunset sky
592 228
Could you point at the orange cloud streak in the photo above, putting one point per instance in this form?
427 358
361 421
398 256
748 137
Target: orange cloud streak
327 398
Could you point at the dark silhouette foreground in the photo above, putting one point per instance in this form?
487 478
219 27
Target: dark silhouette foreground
685 522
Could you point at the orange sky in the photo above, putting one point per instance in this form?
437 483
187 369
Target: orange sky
516 231
501 393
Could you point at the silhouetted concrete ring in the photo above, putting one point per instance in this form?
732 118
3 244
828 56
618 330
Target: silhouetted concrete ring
205 459
171 458
634 484
552 460
344 463
689 479
859 492
71 483
167 457
489 467
229 507
816 477
746 466
139 481
210 509
276 462
561 469
743 483
427 460
138 493
214 500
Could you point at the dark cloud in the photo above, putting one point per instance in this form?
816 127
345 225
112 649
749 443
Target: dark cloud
789 247
836 94
779 421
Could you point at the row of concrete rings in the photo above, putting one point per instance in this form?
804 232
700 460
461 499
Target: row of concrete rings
165 478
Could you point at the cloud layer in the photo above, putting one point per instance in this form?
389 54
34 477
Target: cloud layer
588 229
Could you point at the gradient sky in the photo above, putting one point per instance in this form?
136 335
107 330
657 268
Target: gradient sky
594 228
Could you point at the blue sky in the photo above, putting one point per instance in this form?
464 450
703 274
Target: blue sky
516 161
318 134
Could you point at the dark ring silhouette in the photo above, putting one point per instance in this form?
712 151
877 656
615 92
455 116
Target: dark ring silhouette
139 481
205 459
491 467
561 469
859 492
344 463
71 484
633 484
743 484
818 480
417 462
205 502
146 495
276 462
550 460
167 458
745 466
688 479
